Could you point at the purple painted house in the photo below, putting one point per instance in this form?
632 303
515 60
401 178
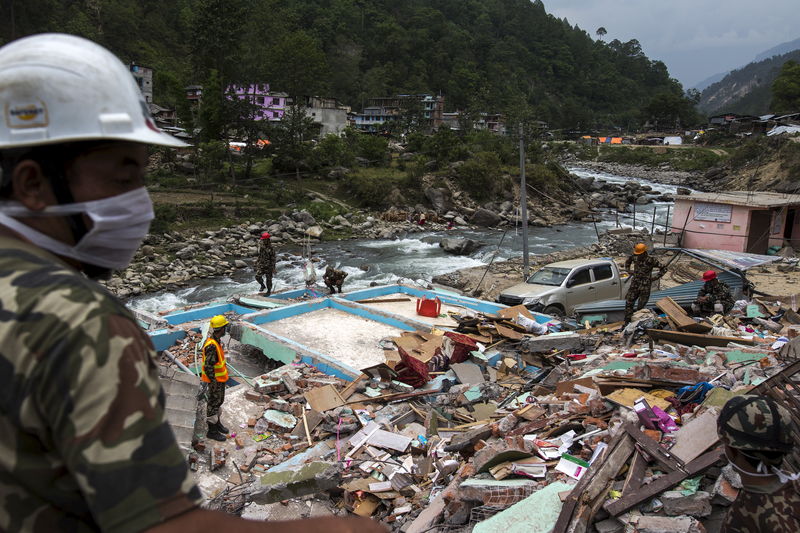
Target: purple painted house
269 105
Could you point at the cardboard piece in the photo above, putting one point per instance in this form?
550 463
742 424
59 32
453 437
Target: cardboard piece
484 411
322 399
508 332
627 398
512 312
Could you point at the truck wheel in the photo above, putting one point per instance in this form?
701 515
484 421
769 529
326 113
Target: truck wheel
554 310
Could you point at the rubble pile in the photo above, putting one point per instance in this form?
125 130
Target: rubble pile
510 423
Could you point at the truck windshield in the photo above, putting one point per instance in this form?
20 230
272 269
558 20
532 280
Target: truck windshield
549 276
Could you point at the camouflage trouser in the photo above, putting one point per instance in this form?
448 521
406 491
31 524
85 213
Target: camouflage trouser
216 395
639 295
264 278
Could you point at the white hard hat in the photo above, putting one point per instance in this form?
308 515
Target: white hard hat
57 88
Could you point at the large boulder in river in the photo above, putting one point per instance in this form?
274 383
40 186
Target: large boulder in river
459 246
314 231
439 197
484 217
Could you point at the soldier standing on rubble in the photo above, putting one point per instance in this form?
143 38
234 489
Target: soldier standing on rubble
265 263
714 296
642 279
86 445
215 373
756 433
334 279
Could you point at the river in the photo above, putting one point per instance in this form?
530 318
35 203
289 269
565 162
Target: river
416 258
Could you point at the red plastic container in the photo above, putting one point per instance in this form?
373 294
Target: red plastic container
426 307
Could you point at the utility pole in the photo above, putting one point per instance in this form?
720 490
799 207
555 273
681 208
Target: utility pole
523 200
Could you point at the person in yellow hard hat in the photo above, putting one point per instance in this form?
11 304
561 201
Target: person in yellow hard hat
215 373
642 278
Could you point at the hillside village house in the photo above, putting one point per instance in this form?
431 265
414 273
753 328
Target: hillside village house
738 221
144 79
327 113
268 105
381 111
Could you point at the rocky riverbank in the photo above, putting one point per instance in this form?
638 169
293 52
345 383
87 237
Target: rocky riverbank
663 174
177 259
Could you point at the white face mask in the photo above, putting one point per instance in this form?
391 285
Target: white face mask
762 471
119 225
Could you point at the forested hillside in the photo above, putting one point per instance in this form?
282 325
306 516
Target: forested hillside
495 55
746 90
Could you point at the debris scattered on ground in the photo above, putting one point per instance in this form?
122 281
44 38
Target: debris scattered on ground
509 416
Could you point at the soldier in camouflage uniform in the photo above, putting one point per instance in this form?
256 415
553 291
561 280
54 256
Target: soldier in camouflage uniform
85 443
642 279
215 373
265 263
714 296
756 433
334 279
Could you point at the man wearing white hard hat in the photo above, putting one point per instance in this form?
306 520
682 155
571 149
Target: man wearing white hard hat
85 445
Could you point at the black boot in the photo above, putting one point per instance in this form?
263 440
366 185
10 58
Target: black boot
215 434
221 428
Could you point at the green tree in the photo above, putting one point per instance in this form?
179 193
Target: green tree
298 65
786 89
292 139
601 32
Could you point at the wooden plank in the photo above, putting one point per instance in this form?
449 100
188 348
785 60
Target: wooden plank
616 507
322 399
692 339
594 482
512 312
675 312
348 391
633 481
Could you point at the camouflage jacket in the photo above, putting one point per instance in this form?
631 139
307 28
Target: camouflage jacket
718 291
334 277
266 257
85 445
643 266
754 512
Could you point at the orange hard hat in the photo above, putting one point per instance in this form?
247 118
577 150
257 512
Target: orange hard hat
640 248
708 275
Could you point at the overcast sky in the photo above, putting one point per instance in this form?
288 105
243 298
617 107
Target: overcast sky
694 38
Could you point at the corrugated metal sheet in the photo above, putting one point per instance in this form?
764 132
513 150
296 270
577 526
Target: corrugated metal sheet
684 295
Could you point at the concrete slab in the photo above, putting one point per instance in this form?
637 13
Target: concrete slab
345 337
409 309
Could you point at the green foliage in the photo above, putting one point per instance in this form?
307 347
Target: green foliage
786 89
370 187
480 175
686 158
332 151
166 216
373 149
210 160
444 147
292 140
669 110
487 55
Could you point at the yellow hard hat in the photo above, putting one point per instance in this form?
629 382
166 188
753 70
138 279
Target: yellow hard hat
640 248
219 321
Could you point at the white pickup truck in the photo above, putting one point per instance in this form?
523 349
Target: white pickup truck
557 288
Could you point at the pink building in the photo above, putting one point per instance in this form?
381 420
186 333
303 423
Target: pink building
738 221
269 105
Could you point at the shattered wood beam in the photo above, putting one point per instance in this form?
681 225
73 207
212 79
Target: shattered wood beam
653 449
663 483
619 450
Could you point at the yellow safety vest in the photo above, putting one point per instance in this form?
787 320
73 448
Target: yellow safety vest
220 368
